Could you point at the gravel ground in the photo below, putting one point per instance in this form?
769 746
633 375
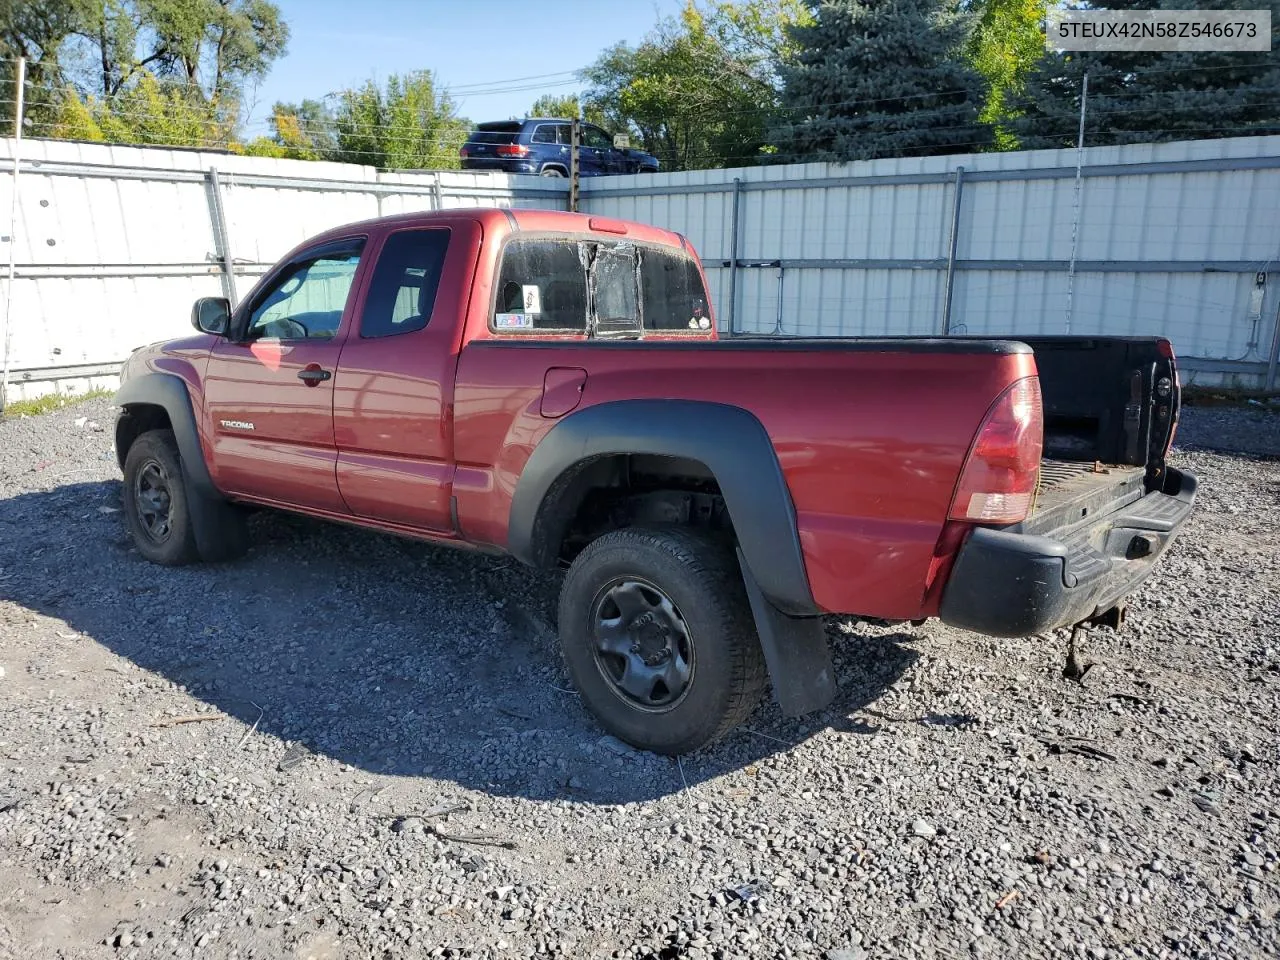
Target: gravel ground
230 761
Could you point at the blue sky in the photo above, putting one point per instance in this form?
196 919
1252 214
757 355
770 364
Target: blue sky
336 44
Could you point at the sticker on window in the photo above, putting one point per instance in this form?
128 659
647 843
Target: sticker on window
513 321
532 298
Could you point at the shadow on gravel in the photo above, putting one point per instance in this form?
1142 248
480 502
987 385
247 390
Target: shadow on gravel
391 656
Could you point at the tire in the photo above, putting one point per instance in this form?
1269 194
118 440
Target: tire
155 501
658 637
552 172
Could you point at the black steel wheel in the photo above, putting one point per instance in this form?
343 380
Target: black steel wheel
642 644
658 636
155 500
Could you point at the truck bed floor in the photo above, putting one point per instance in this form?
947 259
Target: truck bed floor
1070 491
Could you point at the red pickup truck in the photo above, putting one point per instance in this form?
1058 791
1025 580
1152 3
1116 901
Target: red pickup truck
549 385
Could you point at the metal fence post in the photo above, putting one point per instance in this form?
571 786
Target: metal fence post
221 236
956 194
1075 203
733 259
13 228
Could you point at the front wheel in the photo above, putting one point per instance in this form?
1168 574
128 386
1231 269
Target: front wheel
155 501
658 637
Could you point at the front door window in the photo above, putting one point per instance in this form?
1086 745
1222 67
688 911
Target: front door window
307 300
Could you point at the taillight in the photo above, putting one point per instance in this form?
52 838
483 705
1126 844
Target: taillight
512 150
462 152
998 482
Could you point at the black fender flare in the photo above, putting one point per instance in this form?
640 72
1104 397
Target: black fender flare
730 441
169 392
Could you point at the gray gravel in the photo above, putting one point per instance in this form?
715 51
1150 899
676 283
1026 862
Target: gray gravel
961 799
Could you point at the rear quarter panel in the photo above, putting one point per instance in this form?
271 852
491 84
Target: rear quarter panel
870 440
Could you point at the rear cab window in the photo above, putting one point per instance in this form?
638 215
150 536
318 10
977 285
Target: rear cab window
598 288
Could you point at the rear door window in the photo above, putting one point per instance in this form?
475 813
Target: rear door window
405 280
545 133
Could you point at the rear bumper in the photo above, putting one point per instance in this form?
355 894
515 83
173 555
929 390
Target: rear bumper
1010 584
502 166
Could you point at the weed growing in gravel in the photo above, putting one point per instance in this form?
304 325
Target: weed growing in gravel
50 402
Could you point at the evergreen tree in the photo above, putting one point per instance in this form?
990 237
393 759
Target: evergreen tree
874 79
1137 97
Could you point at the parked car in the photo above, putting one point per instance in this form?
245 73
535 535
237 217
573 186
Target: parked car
542 146
549 385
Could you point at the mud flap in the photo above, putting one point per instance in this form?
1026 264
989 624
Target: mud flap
219 527
796 652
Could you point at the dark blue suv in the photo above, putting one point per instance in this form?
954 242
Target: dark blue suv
541 146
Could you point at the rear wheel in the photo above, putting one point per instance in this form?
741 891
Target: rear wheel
658 637
552 172
155 501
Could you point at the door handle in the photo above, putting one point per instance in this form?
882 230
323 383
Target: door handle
312 375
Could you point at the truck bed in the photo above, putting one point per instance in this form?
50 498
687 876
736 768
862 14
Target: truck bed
1107 425
1071 491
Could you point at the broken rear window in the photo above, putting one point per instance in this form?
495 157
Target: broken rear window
672 292
601 288
542 286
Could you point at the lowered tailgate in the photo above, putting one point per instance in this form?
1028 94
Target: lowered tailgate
1097 527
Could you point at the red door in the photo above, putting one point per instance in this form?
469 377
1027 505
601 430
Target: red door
394 384
269 393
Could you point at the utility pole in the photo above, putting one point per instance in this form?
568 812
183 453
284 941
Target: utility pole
13 226
575 141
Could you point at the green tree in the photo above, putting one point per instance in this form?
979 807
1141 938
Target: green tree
130 70
303 131
1137 97
567 107
37 30
1006 46
215 46
876 79
552 105
159 112
701 90
411 125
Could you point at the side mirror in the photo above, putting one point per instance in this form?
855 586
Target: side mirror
212 315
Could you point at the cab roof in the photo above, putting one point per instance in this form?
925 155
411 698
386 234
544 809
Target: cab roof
501 221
